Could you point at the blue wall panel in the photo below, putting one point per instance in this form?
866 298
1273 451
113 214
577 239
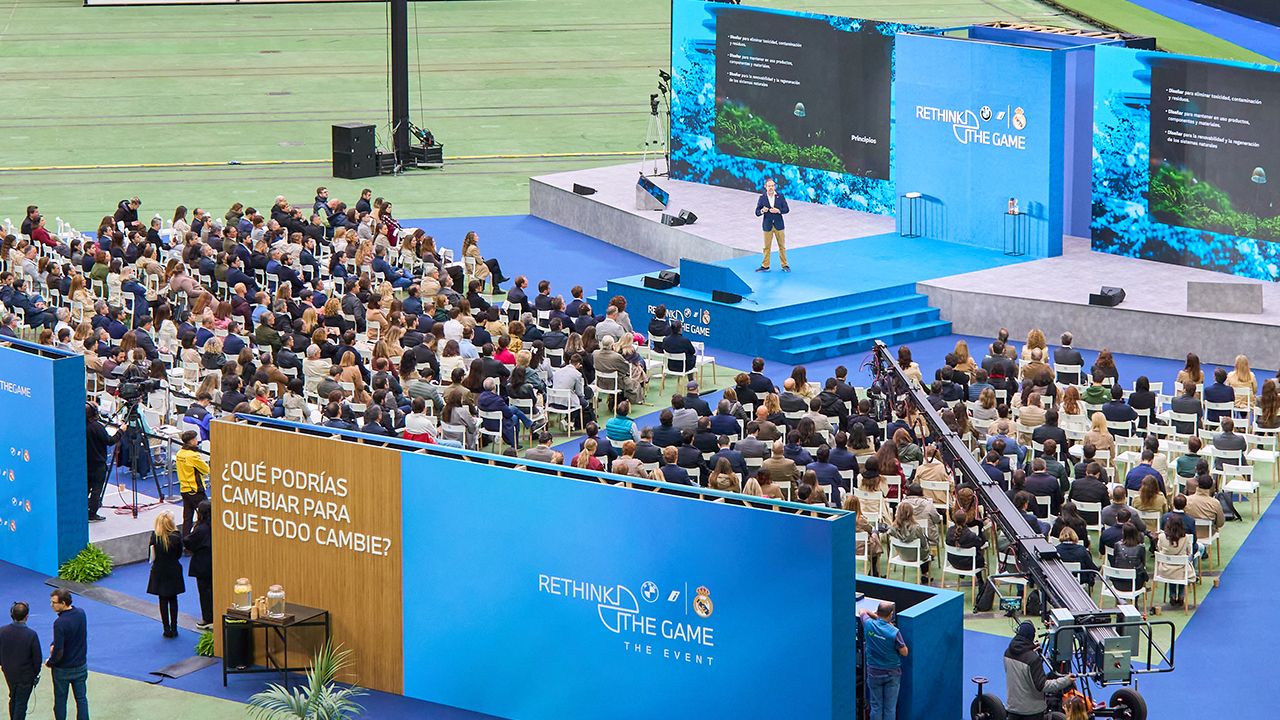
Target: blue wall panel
43 511
961 141
542 594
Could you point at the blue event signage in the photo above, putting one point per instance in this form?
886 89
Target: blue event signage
43 507
546 597
979 123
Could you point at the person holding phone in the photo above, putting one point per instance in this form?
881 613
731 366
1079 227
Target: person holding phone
770 208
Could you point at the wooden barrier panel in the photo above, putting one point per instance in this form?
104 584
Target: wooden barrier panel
320 517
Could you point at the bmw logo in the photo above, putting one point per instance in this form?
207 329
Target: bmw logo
649 591
985 112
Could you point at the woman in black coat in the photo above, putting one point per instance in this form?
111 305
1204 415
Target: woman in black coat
166 571
200 567
960 535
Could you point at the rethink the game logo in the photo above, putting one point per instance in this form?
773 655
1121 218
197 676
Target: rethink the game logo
665 623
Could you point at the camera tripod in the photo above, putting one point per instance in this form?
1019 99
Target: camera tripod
134 442
656 140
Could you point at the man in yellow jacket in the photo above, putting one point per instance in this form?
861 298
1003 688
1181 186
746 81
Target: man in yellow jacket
192 471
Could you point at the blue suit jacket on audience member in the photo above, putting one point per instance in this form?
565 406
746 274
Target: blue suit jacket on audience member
772 221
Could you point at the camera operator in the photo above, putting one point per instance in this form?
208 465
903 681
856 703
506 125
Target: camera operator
1026 681
97 441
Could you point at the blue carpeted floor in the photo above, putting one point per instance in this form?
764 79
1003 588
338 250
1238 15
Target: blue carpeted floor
1251 34
541 250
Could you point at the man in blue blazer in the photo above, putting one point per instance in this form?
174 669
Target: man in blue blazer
771 207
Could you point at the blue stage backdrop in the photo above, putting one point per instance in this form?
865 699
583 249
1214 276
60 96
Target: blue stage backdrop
801 97
980 123
1186 161
543 597
43 509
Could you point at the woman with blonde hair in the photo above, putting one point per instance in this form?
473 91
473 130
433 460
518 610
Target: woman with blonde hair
964 362
1241 378
211 384
986 409
166 581
871 546
1035 340
586 458
722 477
905 529
752 488
1099 436
350 373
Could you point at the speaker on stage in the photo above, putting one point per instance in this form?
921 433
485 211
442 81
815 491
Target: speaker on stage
728 298
688 217
353 151
672 220
665 280
583 190
1108 297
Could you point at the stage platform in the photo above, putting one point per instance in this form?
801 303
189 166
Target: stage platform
839 298
726 228
1053 295
122 536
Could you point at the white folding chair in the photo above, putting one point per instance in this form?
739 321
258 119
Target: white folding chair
1168 567
907 555
608 385
673 365
949 552
491 415
1238 480
1127 577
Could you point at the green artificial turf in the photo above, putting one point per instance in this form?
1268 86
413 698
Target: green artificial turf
1171 35
252 83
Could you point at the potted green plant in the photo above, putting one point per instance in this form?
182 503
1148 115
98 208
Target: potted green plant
322 698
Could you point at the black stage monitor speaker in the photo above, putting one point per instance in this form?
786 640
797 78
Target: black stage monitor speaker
353 151
583 190
721 296
665 280
672 220
1109 297
688 217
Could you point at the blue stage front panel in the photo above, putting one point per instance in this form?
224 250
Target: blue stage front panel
537 597
43 508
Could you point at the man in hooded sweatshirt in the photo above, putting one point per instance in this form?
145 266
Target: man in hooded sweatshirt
1025 678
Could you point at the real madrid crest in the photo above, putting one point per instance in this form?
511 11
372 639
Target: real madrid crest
702 602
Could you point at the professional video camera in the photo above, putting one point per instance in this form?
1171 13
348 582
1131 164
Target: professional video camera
132 391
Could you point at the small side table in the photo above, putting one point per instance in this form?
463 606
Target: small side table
301 616
907 223
1014 236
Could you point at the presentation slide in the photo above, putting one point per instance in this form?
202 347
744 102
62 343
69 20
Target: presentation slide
802 98
1215 139
796 90
1183 161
